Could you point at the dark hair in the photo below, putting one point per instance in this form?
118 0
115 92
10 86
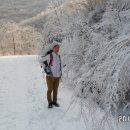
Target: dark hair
55 46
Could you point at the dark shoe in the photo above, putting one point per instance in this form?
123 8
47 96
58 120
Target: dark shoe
50 105
56 104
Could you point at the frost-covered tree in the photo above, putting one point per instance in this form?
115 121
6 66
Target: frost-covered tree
17 40
95 51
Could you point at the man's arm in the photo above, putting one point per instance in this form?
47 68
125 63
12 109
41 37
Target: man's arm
44 58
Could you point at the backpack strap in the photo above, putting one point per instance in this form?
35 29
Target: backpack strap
51 59
60 65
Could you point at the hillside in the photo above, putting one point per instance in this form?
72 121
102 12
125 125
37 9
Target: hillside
19 10
16 40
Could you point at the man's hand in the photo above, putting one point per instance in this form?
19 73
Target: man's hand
60 79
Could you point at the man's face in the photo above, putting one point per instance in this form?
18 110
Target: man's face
56 49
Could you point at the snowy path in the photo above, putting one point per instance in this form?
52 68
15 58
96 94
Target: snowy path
23 103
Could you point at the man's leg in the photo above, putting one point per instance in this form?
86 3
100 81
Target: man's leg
49 80
55 89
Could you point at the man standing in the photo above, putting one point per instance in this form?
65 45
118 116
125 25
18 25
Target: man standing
54 63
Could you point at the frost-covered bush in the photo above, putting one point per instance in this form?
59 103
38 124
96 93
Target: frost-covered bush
121 5
95 51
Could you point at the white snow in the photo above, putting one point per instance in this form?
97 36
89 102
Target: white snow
23 103
96 50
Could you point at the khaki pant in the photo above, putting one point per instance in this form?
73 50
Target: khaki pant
52 84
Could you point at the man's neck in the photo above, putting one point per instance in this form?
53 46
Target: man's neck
56 53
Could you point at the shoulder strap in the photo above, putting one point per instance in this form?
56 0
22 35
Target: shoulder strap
60 65
51 59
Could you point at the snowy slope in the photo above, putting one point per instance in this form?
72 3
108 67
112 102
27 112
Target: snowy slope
23 103
18 10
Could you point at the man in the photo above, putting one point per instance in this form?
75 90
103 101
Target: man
53 78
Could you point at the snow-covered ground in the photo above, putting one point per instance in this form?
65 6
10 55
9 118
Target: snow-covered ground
23 104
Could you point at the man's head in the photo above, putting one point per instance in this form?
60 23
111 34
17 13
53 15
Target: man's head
56 47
